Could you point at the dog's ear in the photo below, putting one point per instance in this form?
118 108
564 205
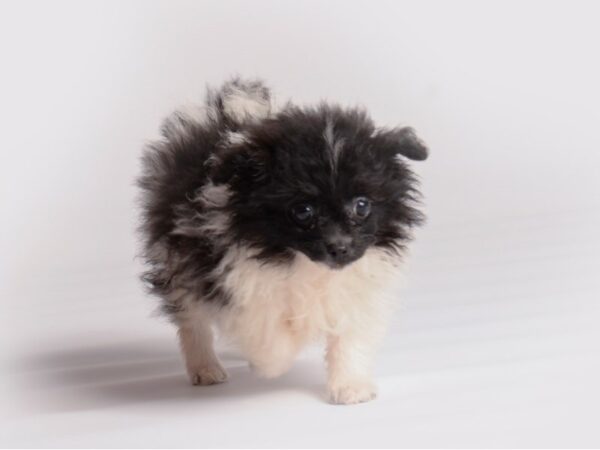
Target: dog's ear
401 141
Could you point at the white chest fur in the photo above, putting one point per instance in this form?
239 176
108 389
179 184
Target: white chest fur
276 309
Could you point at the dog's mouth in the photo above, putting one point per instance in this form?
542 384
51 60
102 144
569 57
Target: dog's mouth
341 263
333 262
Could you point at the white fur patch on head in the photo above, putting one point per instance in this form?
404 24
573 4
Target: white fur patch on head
334 145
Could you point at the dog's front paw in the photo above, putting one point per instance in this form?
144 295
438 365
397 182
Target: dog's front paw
351 392
207 375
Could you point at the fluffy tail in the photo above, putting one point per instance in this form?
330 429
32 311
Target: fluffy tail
240 100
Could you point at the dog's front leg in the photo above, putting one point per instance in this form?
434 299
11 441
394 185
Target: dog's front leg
203 366
349 363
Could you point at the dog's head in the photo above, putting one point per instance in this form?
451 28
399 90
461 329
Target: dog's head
324 181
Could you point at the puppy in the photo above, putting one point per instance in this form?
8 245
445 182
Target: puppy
278 228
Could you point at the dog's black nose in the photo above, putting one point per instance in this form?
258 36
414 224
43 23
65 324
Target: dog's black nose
339 248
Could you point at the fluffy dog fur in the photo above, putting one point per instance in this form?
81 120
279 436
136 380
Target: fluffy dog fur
278 228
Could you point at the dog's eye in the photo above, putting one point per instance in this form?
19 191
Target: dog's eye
361 207
303 214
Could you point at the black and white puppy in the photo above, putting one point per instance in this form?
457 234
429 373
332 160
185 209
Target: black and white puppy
278 227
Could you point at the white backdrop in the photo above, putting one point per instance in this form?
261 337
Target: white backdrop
506 94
